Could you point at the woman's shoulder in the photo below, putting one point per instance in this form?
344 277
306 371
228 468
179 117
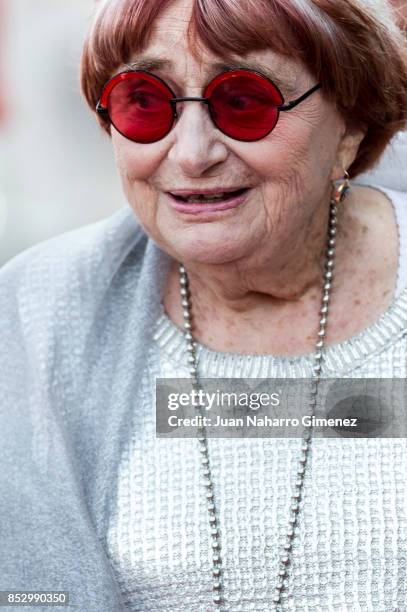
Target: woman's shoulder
61 294
84 258
65 300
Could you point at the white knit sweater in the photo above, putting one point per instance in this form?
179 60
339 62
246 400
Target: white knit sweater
351 550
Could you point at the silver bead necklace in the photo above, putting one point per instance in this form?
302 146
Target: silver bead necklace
285 560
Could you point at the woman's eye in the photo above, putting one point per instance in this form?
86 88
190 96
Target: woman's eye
143 99
244 102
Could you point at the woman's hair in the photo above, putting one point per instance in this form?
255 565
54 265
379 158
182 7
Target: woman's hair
352 47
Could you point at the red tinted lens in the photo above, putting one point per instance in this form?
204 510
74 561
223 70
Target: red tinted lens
139 106
243 104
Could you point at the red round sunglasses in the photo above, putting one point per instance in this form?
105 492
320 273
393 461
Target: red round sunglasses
243 104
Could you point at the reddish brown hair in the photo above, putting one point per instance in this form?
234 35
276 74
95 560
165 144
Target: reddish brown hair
353 47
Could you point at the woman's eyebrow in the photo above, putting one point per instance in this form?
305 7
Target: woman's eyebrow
155 63
150 63
283 85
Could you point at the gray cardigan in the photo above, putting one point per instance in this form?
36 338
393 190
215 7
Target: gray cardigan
76 315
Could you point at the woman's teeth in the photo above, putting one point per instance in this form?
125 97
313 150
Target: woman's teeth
206 198
198 198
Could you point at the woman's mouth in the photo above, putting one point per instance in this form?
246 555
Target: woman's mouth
207 202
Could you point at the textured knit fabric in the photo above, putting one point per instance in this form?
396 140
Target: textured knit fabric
92 503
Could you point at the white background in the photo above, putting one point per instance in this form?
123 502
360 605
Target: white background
56 165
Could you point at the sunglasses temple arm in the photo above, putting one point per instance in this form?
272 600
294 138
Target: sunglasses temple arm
294 103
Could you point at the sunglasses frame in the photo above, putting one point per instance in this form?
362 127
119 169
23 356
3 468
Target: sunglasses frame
102 105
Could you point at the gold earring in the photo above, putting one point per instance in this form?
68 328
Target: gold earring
341 188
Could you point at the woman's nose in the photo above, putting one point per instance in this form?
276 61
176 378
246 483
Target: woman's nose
197 144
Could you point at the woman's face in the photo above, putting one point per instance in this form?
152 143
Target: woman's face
287 174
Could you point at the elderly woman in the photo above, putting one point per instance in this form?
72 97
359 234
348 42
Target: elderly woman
245 252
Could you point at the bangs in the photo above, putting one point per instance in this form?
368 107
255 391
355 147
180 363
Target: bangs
120 29
123 28
231 27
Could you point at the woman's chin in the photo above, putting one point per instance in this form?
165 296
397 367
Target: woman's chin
195 248
217 242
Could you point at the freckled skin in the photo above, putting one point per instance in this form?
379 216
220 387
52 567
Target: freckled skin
256 270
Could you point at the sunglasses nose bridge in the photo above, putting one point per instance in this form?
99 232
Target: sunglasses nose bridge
186 99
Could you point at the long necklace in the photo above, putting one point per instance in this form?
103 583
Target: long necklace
285 557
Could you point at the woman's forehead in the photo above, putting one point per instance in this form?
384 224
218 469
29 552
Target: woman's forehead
284 73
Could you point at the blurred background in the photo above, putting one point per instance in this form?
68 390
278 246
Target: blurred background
56 165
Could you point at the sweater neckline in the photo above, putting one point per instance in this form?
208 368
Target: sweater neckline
339 358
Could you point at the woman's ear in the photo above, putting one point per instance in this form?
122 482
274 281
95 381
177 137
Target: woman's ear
347 151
